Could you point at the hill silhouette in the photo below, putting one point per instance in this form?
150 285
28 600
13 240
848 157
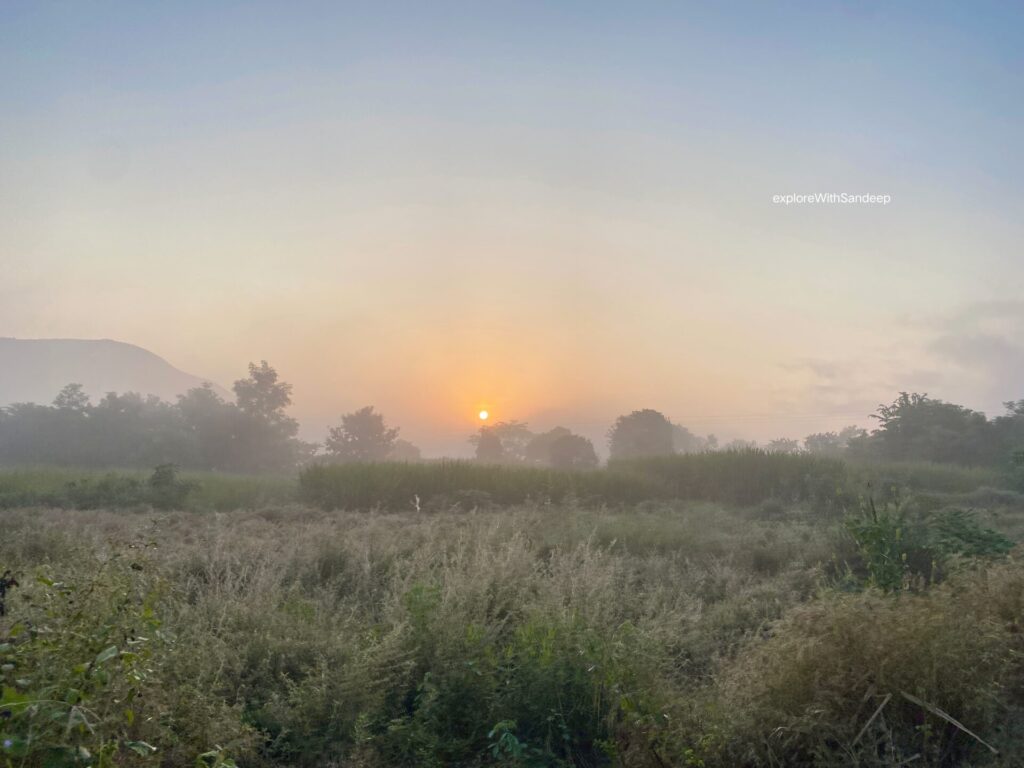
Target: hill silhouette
34 370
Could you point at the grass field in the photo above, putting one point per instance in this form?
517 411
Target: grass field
736 478
497 626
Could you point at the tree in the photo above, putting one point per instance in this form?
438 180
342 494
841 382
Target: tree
572 452
72 398
831 443
403 450
784 445
916 427
361 436
562 449
739 444
685 441
641 433
210 423
199 431
264 398
488 447
538 450
513 436
264 433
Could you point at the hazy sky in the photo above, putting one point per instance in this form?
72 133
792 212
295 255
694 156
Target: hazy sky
560 211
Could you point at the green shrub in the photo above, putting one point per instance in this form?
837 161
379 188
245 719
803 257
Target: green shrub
744 477
877 680
896 545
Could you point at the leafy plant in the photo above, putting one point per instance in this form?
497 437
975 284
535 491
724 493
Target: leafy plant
895 544
74 669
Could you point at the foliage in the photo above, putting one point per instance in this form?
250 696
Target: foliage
200 431
917 427
896 546
875 680
783 445
437 484
640 434
503 442
559 448
685 441
659 633
833 443
81 665
361 436
83 489
747 476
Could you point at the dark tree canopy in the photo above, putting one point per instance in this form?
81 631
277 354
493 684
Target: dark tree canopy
361 436
572 452
561 449
200 431
488 447
919 428
403 450
513 437
71 398
639 434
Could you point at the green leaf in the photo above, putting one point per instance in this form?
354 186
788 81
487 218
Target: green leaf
140 748
106 655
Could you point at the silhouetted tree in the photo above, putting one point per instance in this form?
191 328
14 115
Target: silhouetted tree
72 398
538 450
361 436
488 446
265 434
832 443
200 431
403 450
739 444
562 449
641 433
783 445
572 452
917 427
514 437
210 421
685 441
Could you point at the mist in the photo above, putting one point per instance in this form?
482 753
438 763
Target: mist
538 384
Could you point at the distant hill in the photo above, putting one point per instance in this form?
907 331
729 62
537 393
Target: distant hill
34 370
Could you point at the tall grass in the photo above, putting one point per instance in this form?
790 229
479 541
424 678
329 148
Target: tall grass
746 477
734 477
672 633
406 486
89 488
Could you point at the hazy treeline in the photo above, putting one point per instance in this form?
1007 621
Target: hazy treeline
202 430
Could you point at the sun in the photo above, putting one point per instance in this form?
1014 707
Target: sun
484 415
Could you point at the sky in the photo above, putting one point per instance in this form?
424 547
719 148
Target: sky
560 212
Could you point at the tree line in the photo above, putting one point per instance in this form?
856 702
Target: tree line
914 427
254 433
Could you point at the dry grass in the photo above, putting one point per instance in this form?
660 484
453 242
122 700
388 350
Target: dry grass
670 634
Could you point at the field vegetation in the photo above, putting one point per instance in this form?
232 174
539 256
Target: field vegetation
737 608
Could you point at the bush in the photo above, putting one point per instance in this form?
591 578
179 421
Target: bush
877 680
896 547
82 663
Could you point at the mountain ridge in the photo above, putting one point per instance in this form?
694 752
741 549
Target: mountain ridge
35 370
